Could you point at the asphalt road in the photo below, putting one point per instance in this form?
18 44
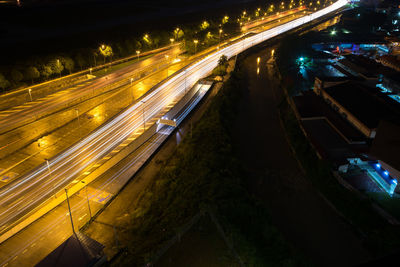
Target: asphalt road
21 196
10 120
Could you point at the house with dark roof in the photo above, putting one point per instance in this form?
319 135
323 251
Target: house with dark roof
363 106
386 147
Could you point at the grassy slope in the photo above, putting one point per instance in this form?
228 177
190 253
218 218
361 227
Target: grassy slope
203 173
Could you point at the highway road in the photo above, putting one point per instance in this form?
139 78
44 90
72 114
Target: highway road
24 148
44 134
33 110
23 195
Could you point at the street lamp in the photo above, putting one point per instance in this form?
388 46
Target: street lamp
79 123
137 53
195 45
102 48
69 209
219 42
177 33
58 65
144 119
87 199
90 71
48 168
30 94
185 80
166 58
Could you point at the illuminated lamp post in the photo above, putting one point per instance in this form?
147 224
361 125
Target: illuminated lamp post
195 45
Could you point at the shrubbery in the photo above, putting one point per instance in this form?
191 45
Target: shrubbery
204 173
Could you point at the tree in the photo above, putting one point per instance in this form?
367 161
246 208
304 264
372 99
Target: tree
129 47
225 19
204 25
178 33
106 51
223 60
16 75
138 45
80 60
4 83
32 73
46 71
56 66
95 54
68 64
156 41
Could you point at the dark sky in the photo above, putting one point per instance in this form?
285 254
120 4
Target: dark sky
41 26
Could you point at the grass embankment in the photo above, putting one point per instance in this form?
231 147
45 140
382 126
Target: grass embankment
379 236
203 173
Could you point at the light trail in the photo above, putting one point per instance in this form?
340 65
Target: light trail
22 196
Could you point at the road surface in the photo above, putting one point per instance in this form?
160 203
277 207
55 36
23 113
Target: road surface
26 193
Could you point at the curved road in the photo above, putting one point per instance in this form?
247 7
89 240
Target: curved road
26 193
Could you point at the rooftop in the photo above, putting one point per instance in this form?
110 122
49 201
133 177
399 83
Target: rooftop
386 145
327 141
365 66
310 105
367 104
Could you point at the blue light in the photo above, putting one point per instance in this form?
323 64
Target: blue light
394 181
378 165
301 59
386 173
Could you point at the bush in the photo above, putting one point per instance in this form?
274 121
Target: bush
204 173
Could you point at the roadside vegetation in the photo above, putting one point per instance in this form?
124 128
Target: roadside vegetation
204 174
220 70
194 35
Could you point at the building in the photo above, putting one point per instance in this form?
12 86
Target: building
363 67
390 61
386 147
392 83
332 136
394 45
363 106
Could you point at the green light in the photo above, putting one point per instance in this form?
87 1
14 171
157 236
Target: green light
333 32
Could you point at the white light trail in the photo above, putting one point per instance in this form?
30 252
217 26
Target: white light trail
22 196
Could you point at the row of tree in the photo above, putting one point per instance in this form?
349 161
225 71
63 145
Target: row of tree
39 69
194 37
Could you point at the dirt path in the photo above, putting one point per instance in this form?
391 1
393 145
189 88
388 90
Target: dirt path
307 221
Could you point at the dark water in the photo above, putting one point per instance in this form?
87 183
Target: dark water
297 209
